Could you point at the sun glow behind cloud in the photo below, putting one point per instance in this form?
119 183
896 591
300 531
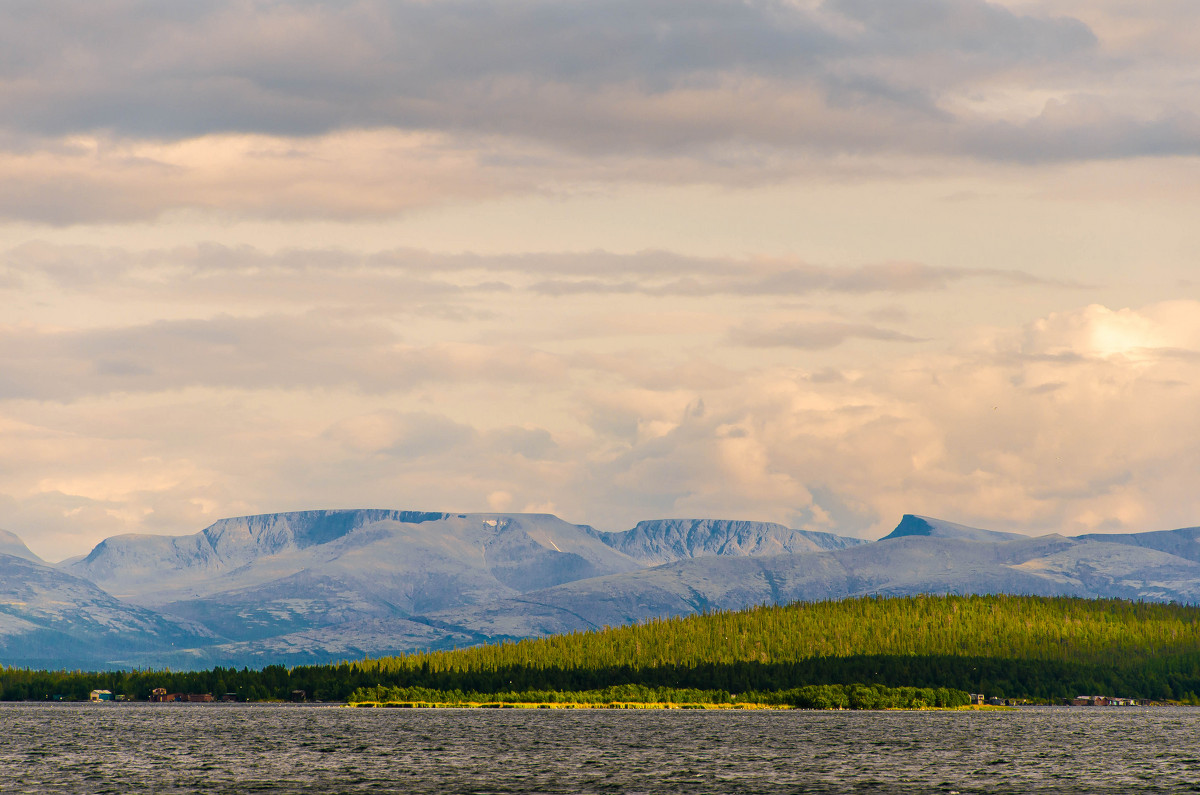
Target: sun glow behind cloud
817 263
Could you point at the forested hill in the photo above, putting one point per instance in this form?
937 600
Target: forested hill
1008 646
1102 631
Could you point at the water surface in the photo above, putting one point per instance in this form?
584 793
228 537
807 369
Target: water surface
234 748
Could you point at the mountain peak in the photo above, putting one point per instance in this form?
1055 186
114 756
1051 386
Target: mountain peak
11 544
914 525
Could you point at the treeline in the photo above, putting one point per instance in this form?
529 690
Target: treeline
1007 646
271 683
1102 632
807 697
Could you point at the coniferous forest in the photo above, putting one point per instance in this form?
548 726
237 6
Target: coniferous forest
1039 648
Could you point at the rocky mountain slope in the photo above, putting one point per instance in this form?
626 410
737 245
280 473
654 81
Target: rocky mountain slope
414 561
330 585
51 619
1050 565
668 540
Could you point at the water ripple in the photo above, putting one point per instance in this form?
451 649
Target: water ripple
227 748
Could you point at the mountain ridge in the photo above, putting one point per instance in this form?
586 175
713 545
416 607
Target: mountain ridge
317 586
659 541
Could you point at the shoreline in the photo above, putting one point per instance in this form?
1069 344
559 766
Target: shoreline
639 705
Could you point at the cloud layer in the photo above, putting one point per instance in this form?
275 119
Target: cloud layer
820 262
118 111
244 380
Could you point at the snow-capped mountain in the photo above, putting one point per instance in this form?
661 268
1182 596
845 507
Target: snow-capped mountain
329 585
668 540
51 619
11 544
414 561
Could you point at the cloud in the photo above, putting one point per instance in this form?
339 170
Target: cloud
119 111
276 352
411 435
1098 440
781 278
159 388
424 434
146 71
1080 420
811 335
1098 332
96 178
221 275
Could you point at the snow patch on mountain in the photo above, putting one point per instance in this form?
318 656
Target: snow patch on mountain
319 586
661 541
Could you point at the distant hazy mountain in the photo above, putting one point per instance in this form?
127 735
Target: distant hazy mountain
288 576
1048 566
49 618
667 540
418 561
1184 543
911 525
10 544
337 584
331 585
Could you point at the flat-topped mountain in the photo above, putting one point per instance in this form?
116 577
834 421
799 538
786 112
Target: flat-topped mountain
667 540
415 561
329 585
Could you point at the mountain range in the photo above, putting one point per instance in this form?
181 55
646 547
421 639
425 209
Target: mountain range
320 586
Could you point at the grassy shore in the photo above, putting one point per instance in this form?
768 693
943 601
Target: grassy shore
640 697
622 705
556 705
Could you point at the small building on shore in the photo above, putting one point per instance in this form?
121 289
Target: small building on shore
100 695
159 695
1100 701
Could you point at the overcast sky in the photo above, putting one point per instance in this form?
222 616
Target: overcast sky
815 262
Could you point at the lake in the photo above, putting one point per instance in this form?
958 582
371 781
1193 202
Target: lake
235 748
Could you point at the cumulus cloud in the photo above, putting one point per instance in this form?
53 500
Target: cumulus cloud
1081 420
972 433
1099 332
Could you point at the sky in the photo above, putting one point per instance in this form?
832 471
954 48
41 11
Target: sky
816 263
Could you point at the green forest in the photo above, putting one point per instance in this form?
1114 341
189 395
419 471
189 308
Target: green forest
1041 648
